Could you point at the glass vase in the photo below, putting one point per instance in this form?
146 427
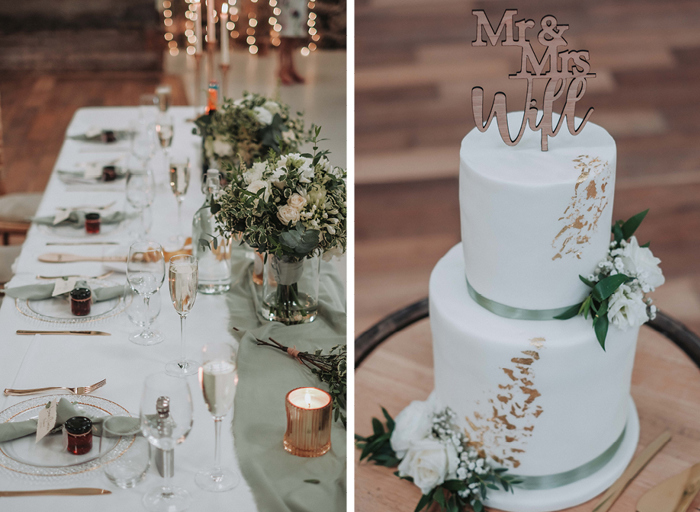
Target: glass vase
290 290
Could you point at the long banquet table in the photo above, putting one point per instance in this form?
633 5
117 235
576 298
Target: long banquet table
37 361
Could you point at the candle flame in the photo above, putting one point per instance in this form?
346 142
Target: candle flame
307 398
224 8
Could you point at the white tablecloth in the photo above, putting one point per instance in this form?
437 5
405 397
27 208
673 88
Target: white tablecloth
36 361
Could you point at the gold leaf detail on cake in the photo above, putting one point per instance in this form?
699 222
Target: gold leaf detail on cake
585 209
509 372
527 361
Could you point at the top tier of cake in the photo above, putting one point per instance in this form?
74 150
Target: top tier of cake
533 221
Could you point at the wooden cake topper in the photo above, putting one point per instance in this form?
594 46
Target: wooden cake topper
564 71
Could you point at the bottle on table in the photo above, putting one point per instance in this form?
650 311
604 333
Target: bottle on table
214 260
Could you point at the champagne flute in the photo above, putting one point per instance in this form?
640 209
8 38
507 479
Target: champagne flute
140 192
164 95
143 143
145 272
218 378
165 131
182 281
166 420
179 183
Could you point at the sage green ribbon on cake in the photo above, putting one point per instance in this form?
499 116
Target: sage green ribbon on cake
515 313
537 483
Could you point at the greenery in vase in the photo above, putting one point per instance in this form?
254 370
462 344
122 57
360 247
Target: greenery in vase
620 283
432 452
248 129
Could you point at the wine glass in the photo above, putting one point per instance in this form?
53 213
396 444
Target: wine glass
145 272
182 281
218 378
164 129
179 183
166 420
164 95
143 142
140 192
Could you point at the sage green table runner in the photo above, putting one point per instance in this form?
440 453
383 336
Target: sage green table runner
276 477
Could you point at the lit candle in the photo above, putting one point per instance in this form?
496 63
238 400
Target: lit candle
198 26
224 34
211 31
309 419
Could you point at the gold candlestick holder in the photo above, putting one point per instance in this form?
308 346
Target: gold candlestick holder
224 79
309 419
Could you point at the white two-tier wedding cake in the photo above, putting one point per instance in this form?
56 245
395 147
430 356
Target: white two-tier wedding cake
538 395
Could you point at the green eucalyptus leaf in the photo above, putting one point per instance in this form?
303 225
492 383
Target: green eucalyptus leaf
631 224
606 287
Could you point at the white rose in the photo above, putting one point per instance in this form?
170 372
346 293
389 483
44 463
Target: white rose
296 201
429 462
626 308
414 423
288 215
258 185
254 173
221 147
263 115
641 263
272 107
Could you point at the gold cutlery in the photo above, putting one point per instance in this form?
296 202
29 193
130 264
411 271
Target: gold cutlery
67 333
82 243
58 257
82 390
631 472
101 276
76 491
674 494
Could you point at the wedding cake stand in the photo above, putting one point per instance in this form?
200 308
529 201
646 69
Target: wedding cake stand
559 498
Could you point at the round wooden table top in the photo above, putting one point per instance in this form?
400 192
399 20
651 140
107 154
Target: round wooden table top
665 388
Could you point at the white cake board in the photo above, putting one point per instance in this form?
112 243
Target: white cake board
559 498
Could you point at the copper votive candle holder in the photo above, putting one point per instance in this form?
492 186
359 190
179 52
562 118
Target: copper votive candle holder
309 412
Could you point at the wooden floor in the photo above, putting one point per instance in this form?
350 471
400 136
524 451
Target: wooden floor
415 71
37 108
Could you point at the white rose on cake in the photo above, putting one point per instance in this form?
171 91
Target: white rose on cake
641 263
429 462
626 308
288 215
263 115
413 424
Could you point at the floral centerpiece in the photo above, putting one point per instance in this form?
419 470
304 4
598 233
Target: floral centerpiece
431 451
293 209
245 130
620 283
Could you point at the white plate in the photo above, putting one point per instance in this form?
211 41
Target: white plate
57 309
48 457
71 232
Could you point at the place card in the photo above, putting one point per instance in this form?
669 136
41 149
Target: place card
64 286
47 420
61 216
92 170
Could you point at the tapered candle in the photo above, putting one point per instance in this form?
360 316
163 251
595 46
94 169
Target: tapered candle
198 26
224 34
211 30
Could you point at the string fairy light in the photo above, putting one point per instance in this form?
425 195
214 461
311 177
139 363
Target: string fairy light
313 32
168 22
275 27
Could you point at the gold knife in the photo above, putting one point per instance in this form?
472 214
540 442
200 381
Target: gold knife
69 333
674 494
77 491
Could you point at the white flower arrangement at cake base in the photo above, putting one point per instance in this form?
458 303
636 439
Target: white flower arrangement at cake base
431 451
620 283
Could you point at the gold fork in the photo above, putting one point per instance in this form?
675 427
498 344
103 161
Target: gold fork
82 390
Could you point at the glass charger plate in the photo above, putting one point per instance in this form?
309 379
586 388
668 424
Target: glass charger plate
57 309
48 457
71 232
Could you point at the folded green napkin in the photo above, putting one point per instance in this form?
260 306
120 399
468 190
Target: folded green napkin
64 411
45 291
76 219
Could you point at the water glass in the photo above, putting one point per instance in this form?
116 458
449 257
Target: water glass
125 469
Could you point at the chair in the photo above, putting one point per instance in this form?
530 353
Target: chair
16 210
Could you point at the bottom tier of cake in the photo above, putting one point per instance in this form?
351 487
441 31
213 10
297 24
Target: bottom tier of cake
540 397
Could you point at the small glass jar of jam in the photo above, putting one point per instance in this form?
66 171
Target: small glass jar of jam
109 173
77 433
92 223
80 299
108 136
